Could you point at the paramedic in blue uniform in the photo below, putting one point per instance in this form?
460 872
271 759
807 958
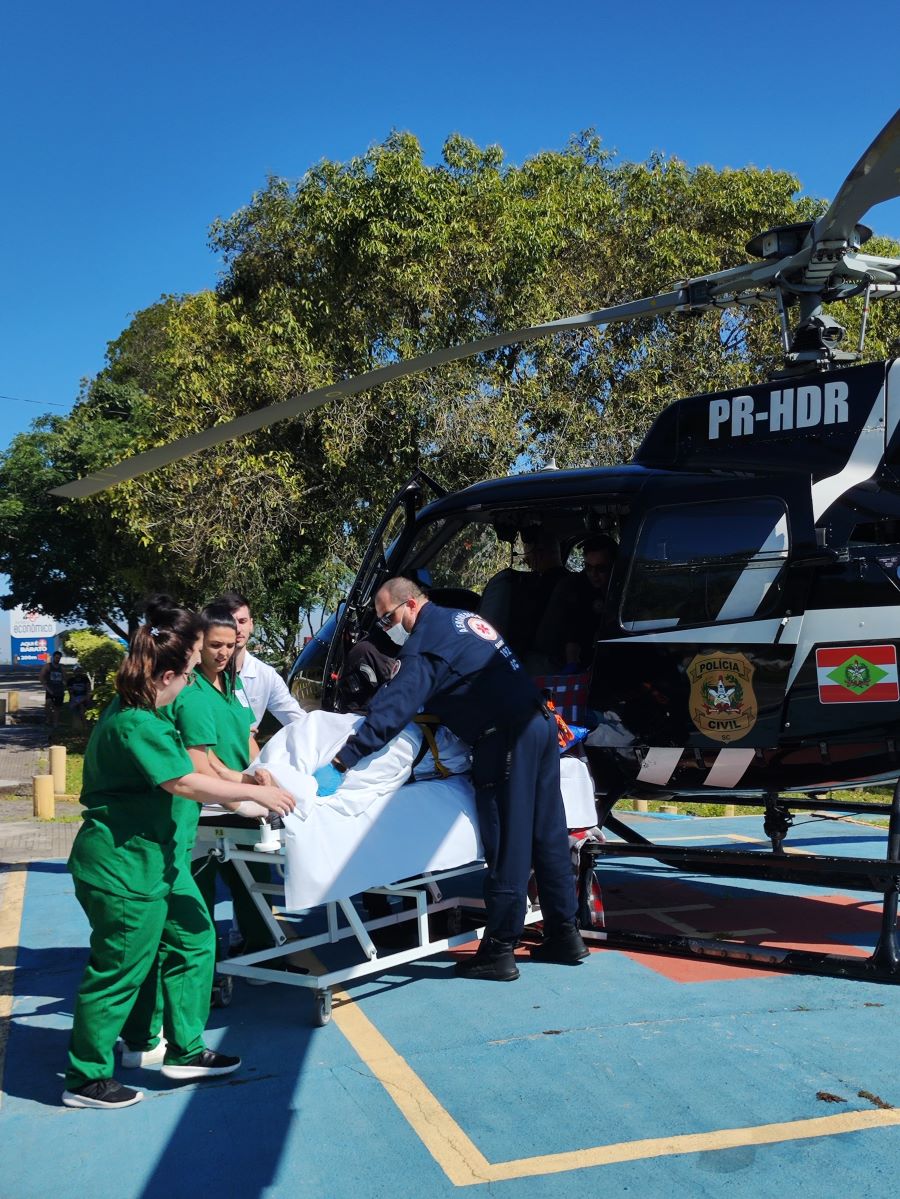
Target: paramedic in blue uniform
455 665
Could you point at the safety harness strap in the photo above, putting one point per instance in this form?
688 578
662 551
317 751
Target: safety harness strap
428 725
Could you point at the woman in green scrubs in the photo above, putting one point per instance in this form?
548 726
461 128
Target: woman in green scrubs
141 795
214 720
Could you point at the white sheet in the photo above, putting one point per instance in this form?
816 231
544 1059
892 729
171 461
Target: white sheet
374 830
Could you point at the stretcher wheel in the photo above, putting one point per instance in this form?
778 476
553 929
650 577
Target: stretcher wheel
323 1008
223 990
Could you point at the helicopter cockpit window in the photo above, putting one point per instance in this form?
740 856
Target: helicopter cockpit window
707 562
456 559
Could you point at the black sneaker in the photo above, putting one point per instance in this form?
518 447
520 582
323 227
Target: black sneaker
102 1092
205 1065
562 945
493 960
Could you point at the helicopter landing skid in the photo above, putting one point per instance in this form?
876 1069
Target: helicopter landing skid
881 876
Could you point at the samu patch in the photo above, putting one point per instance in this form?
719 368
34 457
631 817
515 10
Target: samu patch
480 627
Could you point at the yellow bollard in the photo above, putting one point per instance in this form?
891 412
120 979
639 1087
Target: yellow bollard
670 808
640 805
12 701
729 809
58 768
44 803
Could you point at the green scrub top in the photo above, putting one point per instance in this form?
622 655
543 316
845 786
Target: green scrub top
128 842
204 715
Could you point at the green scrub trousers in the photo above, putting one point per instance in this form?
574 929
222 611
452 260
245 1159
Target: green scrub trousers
131 939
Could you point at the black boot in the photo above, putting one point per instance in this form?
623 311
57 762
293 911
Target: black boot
562 944
494 960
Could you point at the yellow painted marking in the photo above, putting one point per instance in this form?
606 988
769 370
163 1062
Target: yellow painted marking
465 1165
12 898
698 837
703 1142
454 1152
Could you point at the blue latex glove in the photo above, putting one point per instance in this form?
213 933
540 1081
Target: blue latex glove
328 779
579 732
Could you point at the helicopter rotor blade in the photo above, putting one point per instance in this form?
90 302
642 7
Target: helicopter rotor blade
875 178
140 464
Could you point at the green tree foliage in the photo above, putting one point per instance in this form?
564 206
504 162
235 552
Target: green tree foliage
387 256
72 560
98 654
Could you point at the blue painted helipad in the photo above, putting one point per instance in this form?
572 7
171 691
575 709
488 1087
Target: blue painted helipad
625 1075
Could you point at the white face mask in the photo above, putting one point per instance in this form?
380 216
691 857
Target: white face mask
397 634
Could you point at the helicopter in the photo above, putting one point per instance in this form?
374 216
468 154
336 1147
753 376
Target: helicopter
748 645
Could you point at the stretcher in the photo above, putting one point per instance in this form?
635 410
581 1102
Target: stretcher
432 823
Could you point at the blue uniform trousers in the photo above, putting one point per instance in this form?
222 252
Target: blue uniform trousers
523 824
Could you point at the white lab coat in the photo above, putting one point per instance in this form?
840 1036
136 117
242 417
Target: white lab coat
267 691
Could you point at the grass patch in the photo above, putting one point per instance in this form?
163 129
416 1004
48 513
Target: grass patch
693 807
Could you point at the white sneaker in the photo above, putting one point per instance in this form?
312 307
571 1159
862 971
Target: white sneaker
206 1064
142 1059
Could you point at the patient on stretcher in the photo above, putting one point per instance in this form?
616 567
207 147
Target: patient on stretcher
301 747
374 830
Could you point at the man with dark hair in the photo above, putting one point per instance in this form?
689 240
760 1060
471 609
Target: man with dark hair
600 554
538 609
456 666
265 689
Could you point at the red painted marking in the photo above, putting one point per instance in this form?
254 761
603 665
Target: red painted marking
816 924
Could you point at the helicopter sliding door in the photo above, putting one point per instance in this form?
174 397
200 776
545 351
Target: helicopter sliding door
695 674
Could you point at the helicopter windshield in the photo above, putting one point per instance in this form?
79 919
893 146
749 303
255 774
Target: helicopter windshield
706 562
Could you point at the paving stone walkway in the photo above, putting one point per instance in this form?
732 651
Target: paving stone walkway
24 742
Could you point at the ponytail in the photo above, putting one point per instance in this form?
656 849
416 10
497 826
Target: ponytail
164 643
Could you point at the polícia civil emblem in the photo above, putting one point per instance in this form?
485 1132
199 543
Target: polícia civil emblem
722 702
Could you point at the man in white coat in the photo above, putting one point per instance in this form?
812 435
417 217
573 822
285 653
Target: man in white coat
263 685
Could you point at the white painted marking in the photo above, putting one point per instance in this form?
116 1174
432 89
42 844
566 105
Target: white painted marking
659 765
729 768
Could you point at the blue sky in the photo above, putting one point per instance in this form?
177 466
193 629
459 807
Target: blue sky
130 127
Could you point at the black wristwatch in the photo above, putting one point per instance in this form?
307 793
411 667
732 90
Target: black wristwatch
338 765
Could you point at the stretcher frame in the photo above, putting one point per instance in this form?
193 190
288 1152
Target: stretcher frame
236 845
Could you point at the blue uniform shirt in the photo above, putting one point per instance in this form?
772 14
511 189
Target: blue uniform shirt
456 667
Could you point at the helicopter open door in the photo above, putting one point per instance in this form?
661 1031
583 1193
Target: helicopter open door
386 545
709 572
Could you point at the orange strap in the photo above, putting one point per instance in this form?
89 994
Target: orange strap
564 734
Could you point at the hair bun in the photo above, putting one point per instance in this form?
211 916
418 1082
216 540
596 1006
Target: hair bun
161 611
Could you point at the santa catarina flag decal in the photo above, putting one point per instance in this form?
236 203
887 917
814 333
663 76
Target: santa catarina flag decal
858 674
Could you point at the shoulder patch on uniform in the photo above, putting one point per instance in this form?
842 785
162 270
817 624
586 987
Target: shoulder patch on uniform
481 628
395 668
